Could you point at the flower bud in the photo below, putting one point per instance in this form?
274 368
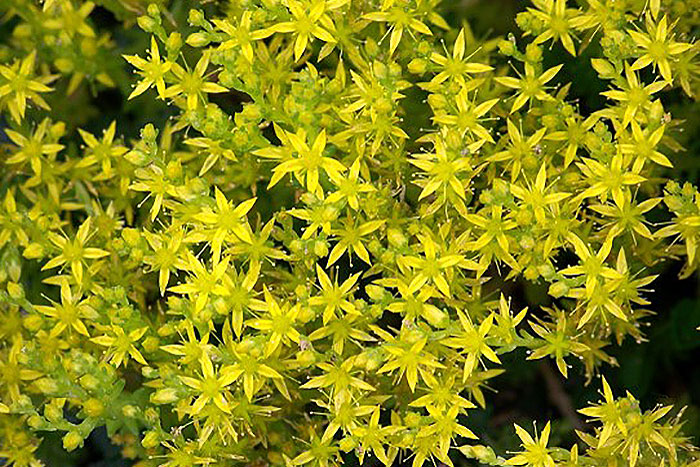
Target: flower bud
164 396
198 39
196 17
558 289
15 290
150 440
33 251
320 248
149 133
32 322
72 440
93 407
46 385
147 23
35 422
130 411
418 66
396 237
533 53
89 382
174 42
507 47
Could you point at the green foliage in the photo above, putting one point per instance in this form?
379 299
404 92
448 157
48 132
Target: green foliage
286 267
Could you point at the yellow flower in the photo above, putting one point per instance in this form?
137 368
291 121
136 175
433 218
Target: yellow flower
350 187
11 221
167 255
334 296
240 36
202 282
400 19
520 150
191 349
211 386
192 84
21 86
214 151
634 96
536 453
253 371
121 345
535 196
153 71
409 359
456 67
442 394
432 267
559 22
605 179
530 86
75 252
305 23
592 265
12 371
644 147
472 341
279 325
350 237
308 163
224 224
658 45
70 313
341 377
71 21
627 217
32 149
467 117
103 152
574 135
373 436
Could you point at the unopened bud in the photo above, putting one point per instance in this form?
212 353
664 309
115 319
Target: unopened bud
72 440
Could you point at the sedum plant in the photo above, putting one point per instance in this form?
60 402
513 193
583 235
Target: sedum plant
297 259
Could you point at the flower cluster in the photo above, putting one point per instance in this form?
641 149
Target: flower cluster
313 276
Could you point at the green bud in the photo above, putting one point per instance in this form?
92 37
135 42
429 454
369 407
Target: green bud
15 290
558 289
347 444
32 322
46 385
174 42
507 47
533 53
72 440
89 382
93 407
35 422
164 396
375 292
33 251
396 237
149 133
198 39
147 23
196 18
150 440
321 248
53 412
130 411
418 66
